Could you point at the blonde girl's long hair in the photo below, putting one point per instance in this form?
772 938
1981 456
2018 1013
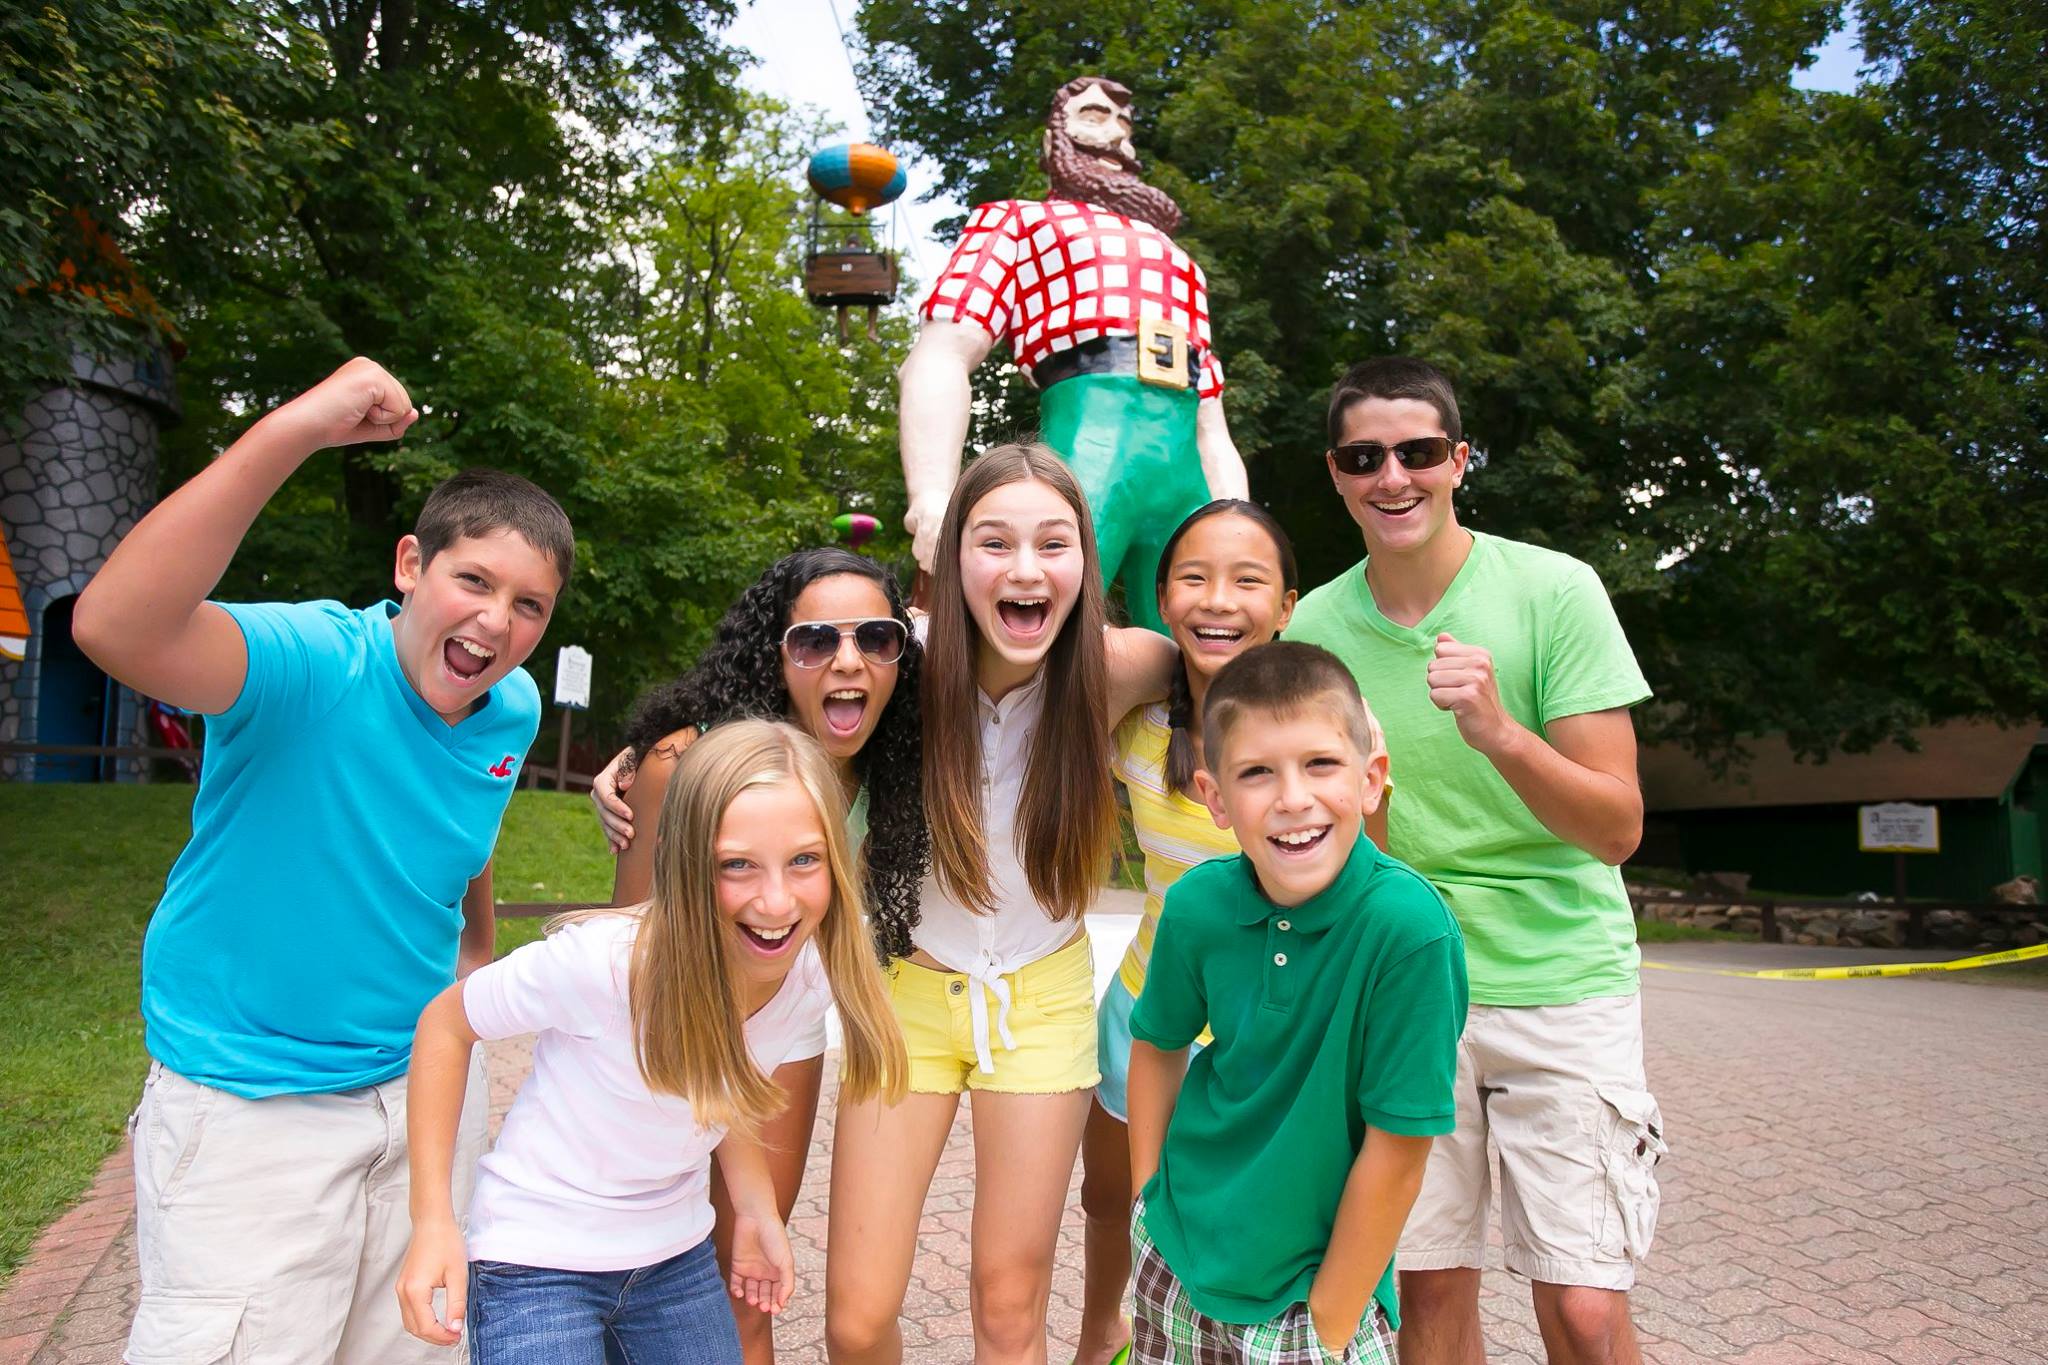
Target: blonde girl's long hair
1066 821
684 990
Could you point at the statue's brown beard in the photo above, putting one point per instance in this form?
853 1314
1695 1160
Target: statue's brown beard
1076 174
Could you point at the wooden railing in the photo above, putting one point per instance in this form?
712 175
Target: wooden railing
535 909
533 772
14 746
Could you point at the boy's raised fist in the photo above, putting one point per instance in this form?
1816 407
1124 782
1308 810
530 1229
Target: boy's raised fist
1462 682
359 402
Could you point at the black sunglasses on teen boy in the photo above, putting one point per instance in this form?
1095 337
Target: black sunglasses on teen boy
1366 457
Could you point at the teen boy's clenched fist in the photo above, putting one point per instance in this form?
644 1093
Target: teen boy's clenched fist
359 402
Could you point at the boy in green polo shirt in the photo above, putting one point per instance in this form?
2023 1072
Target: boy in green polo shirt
1277 1168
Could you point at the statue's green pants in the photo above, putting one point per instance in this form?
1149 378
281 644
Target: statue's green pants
1132 446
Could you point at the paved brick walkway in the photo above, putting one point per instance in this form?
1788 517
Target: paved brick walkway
1859 1173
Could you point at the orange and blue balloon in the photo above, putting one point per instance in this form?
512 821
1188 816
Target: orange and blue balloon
857 176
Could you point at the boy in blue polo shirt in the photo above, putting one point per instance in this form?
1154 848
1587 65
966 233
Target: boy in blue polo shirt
357 766
1277 1168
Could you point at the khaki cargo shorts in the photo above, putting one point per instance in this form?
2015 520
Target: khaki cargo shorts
1560 1091
270 1232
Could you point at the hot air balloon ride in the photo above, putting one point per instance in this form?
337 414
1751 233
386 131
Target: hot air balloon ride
846 263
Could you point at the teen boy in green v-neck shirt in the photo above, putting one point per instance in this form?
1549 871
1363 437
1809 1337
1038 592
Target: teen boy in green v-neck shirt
1503 680
1277 1168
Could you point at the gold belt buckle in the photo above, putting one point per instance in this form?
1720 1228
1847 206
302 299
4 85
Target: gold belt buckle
1162 353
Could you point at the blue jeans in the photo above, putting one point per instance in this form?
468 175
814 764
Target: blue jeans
671 1313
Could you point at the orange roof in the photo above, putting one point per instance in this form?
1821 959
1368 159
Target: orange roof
13 616
1960 760
119 289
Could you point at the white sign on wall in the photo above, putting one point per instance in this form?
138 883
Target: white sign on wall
572 677
1898 827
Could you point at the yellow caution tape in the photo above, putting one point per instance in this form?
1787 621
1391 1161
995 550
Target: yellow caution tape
1874 969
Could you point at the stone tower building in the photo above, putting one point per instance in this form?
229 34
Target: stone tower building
75 475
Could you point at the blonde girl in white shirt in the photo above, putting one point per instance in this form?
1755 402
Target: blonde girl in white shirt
1021 686
589 1237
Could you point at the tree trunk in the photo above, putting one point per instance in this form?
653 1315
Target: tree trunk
371 497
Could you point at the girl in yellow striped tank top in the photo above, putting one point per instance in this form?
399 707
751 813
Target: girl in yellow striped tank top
1226 582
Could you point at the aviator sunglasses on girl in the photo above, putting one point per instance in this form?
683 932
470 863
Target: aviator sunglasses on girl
813 644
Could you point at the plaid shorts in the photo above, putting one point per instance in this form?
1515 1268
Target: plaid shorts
1170 1330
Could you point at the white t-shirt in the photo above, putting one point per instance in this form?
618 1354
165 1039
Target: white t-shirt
594 1171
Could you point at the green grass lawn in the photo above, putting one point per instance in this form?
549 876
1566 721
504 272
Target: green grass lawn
89 863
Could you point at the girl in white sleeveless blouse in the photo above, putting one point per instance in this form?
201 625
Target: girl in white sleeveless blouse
1022 684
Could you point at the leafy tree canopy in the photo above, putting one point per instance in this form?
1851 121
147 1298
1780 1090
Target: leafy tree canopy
558 221
1770 360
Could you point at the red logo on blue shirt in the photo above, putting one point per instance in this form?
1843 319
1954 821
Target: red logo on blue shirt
503 768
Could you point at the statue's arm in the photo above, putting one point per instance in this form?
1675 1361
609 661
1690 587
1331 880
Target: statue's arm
1222 466
932 406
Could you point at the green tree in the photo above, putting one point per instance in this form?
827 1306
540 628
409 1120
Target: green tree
163 106
738 425
1701 323
701 422
301 181
1847 341
483 145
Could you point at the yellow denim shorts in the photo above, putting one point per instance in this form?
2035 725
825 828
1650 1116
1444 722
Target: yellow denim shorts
1041 1041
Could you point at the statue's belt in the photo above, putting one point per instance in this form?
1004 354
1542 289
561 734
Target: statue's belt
1159 354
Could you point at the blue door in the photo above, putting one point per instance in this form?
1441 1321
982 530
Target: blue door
74 701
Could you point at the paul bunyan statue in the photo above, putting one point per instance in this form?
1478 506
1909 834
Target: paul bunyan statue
1108 317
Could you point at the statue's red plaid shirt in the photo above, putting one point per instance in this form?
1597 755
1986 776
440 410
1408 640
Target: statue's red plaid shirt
1046 275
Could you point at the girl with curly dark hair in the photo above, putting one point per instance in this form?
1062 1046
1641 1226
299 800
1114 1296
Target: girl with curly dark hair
822 639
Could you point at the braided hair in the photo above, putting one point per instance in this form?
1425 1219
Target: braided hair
741 675
1180 697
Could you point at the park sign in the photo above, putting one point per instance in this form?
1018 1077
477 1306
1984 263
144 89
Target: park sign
572 677
1898 827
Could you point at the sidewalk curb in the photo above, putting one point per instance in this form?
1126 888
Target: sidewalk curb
64 1258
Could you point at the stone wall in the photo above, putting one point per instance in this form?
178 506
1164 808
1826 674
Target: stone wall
75 475
1877 925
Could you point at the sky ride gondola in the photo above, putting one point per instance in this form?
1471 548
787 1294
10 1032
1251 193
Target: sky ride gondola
849 261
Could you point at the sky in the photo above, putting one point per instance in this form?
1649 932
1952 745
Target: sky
1836 63
801 61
